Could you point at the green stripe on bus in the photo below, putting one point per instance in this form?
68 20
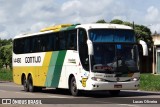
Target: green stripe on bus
51 68
58 68
71 27
55 68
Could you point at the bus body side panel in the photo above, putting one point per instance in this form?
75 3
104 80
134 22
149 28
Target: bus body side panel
17 73
70 67
62 65
28 65
55 68
43 70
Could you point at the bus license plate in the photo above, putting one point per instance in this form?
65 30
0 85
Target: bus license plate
118 86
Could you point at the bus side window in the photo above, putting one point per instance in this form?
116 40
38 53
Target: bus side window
49 43
57 47
18 46
37 44
62 39
71 45
72 40
34 45
26 45
44 43
75 39
53 42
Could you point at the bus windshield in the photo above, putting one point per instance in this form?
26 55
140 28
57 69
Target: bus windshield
115 51
111 58
111 35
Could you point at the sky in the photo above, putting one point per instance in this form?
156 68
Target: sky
28 16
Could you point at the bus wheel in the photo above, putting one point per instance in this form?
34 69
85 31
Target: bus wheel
30 84
73 87
25 85
38 89
114 93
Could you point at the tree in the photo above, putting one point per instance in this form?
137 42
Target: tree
143 33
6 56
101 21
1 63
5 53
117 21
5 42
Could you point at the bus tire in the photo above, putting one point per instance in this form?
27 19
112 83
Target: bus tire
114 93
38 89
25 85
31 88
73 87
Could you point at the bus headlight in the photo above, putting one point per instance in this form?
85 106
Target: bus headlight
135 79
97 79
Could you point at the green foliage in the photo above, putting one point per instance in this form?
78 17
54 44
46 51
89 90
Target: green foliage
5 42
101 21
5 53
117 21
1 63
128 24
143 33
150 82
6 75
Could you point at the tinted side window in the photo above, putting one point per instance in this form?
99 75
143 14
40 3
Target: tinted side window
18 46
43 43
83 48
62 41
65 40
27 45
72 40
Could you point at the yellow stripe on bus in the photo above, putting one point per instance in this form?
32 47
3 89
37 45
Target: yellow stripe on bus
39 73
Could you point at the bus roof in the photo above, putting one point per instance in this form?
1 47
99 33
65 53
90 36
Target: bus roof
64 27
103 25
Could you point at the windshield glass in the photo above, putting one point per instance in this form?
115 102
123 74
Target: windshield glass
111 58
114 51
111 35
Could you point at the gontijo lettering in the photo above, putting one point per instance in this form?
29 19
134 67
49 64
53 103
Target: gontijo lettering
33 59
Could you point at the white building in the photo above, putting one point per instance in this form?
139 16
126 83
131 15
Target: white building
156 55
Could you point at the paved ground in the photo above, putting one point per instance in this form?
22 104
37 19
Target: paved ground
94 99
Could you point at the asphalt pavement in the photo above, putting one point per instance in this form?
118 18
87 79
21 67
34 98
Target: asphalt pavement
50 96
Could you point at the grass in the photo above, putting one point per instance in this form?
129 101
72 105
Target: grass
6 75
150 82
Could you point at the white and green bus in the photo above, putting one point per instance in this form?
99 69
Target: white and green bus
77 57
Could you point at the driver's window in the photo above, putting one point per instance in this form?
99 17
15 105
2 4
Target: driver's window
83 49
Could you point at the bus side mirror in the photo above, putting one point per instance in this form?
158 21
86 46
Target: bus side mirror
144 47
90 47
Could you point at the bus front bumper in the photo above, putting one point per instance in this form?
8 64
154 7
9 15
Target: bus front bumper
94 85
